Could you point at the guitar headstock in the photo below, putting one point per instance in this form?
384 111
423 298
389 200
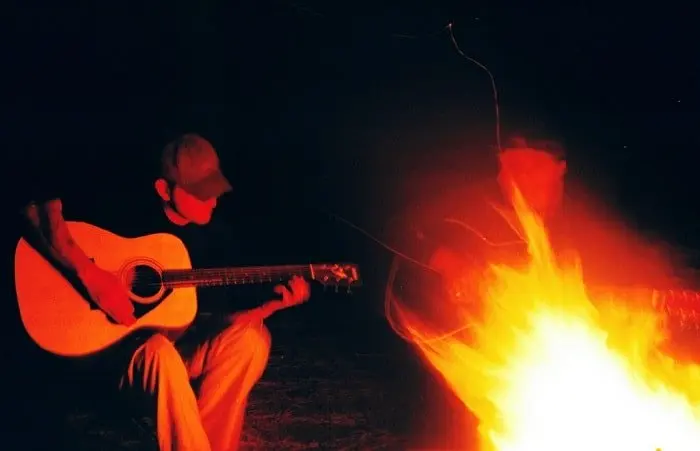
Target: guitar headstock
336 274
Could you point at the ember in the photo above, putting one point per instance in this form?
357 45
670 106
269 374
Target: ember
545 370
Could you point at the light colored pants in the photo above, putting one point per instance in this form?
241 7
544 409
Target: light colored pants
223 367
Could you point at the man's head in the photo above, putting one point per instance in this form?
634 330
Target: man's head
538 170
190 180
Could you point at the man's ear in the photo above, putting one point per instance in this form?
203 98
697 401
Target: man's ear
163 189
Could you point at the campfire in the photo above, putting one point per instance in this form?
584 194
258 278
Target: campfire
547 369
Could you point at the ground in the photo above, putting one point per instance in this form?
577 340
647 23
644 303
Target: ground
303 402
318 392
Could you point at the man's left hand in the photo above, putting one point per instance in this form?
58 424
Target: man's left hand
297 291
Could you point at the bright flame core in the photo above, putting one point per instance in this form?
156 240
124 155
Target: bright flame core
545 370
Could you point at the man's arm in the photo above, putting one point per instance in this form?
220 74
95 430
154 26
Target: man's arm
48 230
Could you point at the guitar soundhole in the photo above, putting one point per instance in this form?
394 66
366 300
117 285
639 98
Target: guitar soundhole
145 281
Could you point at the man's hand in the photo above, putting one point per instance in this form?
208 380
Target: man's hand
108 293
296 292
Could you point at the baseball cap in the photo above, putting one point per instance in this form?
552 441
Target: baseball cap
192 163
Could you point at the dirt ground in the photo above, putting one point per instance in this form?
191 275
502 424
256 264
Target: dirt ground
320 391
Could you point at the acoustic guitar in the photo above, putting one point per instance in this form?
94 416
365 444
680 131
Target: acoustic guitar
156 272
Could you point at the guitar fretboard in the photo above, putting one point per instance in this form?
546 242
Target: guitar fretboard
234 276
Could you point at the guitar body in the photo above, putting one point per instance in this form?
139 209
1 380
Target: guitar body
60 319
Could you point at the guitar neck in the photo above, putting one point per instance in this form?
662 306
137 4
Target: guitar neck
682 306
180 278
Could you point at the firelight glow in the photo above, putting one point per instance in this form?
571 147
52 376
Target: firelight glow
546 370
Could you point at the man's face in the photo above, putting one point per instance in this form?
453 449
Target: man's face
538 175
190 207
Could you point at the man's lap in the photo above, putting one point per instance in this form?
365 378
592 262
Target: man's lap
102 370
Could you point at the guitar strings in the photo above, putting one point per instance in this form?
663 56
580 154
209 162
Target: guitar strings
221 275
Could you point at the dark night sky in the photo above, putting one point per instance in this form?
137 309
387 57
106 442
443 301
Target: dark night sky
340 100
331 104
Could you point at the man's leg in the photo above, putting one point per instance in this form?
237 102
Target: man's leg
157 369
226 366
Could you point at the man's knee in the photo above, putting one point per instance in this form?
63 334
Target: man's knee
254 334
161 350
265 339
156 358
247 338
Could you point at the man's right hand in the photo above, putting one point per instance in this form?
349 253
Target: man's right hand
108 293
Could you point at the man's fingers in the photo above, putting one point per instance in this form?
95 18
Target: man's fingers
283 291
296 291
122 314
300 291
301 287
129 320
121 317
297 283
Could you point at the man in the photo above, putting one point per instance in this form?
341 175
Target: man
479 225
224 358
457 234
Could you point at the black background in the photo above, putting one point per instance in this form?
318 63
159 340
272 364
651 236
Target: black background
318 108
331 106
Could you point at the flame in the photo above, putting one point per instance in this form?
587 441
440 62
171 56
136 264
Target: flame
546 370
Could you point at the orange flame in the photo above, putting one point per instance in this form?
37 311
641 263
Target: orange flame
546 370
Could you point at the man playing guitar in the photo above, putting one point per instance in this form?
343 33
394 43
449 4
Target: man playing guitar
478 226
225 361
